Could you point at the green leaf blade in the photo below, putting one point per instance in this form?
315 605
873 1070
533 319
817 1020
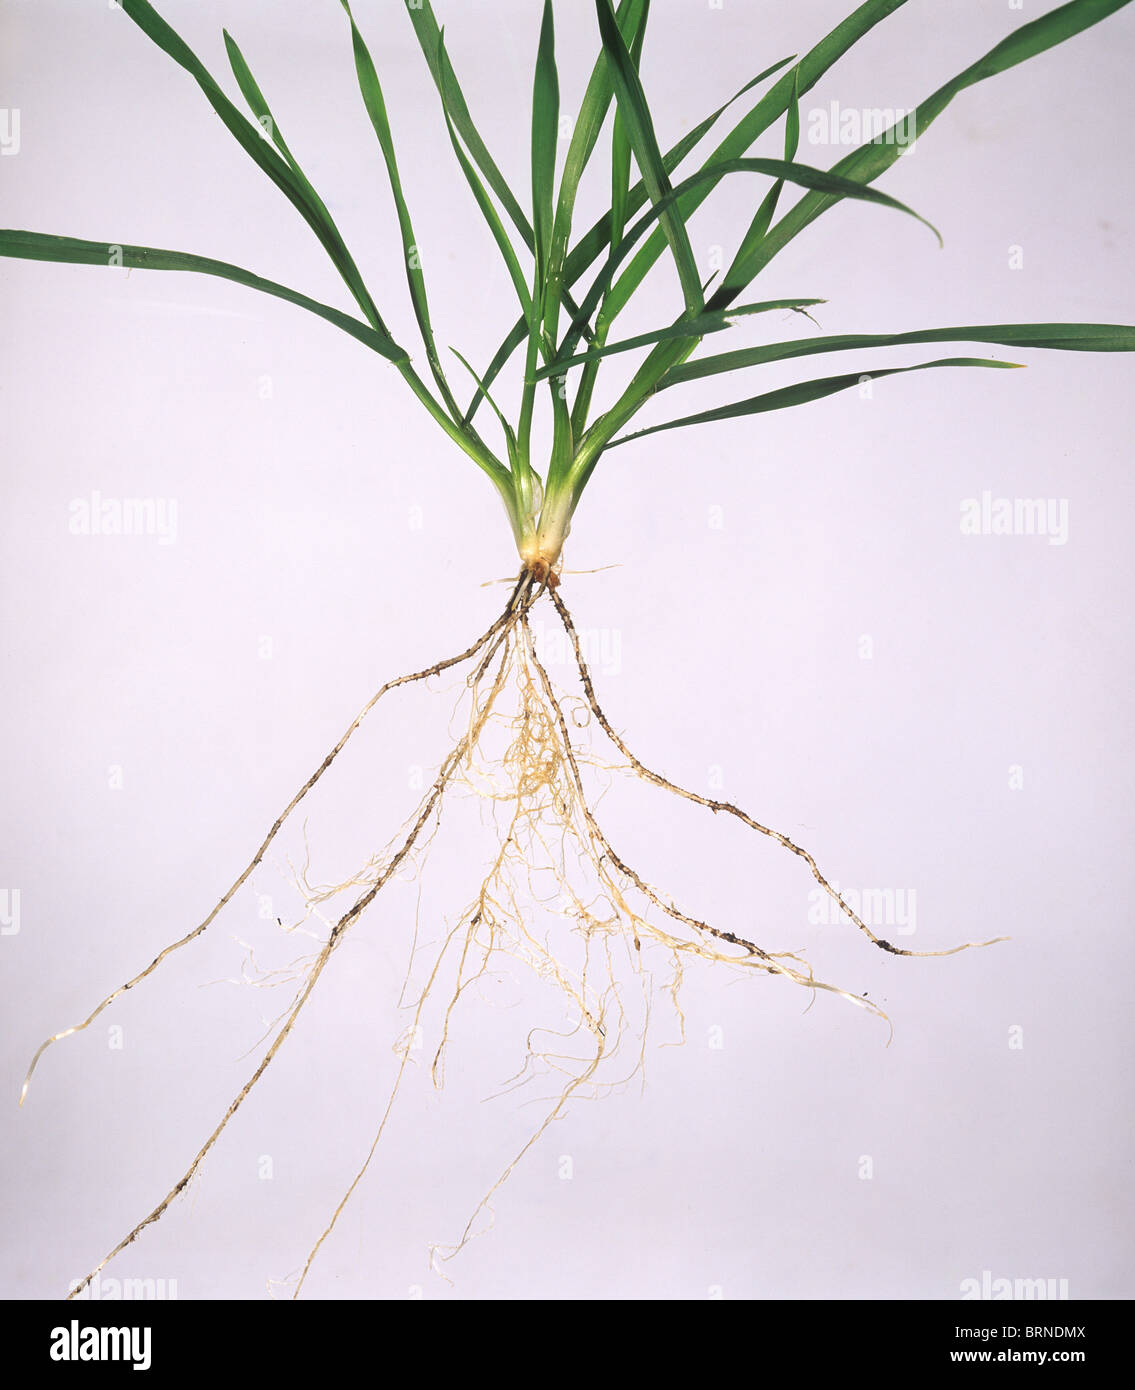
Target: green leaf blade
599 235
803 393
609 228
254 97
802 174
712 321
872 159
640 132
253 141
749 128
1063 337
428 34
493 222
545 140
42 246
592 113
370 88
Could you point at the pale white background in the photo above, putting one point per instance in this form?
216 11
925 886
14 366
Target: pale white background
299 462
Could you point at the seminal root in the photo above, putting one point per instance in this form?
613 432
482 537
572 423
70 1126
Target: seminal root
549 833
649 776
486 639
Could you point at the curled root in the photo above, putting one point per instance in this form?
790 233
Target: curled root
517 752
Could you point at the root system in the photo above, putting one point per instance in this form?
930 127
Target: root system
614 932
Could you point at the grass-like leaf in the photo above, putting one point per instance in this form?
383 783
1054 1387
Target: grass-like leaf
1064 337
631 19
753 124
767 210
608 228
463 131
509 434
863 164
375 103
621 165
492 219
598 238
645 219
545 138
711 321
644 143
258 105
802 393
872 159
253 140
802 174
449 89
620 188
38 246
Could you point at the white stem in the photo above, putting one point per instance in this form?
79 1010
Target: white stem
541 546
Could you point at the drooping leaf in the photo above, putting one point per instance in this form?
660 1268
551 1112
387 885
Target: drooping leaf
253 140
1064 337
802 394
872 159
753 124
40 246
802 174
865 163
